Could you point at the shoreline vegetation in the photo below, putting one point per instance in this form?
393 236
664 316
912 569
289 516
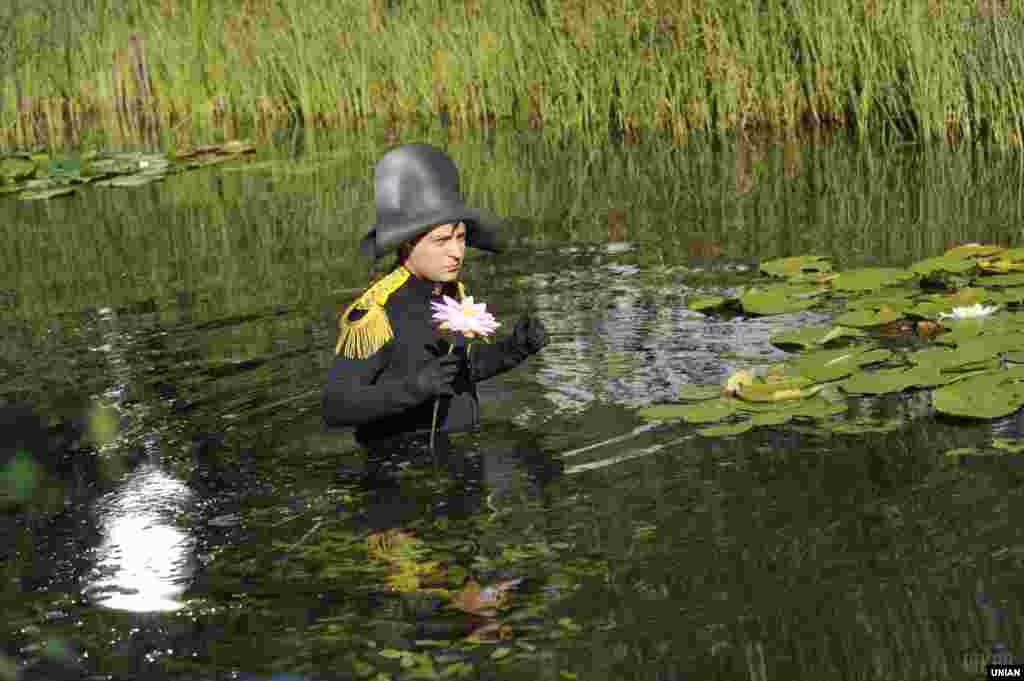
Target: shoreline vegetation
899 71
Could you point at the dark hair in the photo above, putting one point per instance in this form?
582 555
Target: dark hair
404 249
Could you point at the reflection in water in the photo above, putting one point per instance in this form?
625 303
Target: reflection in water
144 558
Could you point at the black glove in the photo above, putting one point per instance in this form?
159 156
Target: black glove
529 335
436 376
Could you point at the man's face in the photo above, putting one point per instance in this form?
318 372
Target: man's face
438 254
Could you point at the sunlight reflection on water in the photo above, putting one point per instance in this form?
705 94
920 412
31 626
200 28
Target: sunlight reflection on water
143 560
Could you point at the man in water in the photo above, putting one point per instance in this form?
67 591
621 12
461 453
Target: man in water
391 361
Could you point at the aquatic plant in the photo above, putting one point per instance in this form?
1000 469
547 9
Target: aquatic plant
973 367
904 72
31 177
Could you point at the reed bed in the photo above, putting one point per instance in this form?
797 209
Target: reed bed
901 70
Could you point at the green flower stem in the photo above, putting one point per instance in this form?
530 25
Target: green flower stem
437 403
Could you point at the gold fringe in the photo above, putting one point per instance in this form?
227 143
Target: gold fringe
363 337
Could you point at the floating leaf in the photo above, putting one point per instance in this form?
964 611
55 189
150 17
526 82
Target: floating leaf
944 263
42 194
831 365
974 249
16 169
726 429
961 452
700 303
886 381
691 391
793 389
130 181
770 419
785 267
870 278
867 317
779 299
702 412
1013 446
1001 280
811 336
985 396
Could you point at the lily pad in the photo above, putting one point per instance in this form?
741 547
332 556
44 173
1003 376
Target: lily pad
867 317
726 429
785 267
832 365
985 397
42 194
1000 280
885 381
16 169
793 388
700 303
1008 296
770 419
944 263
870 278
1013 446
139 180
691 391
702 412
779 299
812 336
974 249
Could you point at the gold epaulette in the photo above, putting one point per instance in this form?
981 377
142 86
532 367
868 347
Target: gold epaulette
361 337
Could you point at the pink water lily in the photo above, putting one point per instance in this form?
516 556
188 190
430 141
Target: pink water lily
465 317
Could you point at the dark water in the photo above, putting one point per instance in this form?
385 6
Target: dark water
217 531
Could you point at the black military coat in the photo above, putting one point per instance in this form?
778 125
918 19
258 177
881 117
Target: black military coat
370 386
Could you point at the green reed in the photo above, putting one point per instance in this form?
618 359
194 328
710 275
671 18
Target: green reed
905 70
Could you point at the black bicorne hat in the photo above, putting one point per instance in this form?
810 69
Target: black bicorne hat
416 187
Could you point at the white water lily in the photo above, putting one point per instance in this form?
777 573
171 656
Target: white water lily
970 312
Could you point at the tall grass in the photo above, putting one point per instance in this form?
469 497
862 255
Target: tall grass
904 70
